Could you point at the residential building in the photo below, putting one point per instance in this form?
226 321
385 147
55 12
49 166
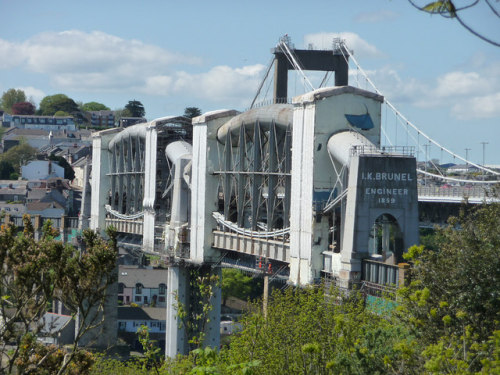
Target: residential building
38 122
101 118
125 122
144 286
41 170
130 319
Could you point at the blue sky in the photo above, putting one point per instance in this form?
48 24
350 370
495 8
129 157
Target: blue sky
212 55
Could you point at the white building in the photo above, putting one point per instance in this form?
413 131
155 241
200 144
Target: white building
41 170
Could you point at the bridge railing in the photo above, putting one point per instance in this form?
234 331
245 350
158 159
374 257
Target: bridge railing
386 150
454 191
125 226
379 273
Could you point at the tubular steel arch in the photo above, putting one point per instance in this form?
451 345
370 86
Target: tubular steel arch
254 170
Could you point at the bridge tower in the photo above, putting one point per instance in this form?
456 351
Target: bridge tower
339 127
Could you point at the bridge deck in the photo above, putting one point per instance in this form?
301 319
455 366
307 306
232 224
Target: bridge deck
260 247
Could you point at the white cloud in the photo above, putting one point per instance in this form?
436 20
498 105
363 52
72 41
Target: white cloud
466 95
76 60
376 17
461 84
354 42
11 55
469 95
33 93
220 84
479 107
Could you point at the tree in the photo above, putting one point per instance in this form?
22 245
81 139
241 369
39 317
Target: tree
448 9
308 331
6 169
23 108
135 108
235 284
35 273
19 155
194 317
191 112
453 301
11 97
59 102
94 106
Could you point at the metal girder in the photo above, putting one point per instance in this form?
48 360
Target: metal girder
254 169
240 179
256 178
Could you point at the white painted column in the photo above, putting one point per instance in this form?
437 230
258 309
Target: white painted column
204 185
301 214
175 335
148 203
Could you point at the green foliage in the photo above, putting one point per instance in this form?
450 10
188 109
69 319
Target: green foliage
429 239
452 304
308 332
19 155
235 284
32 352
135 108
94 106
6 169
441 7
59 105
152 358
195 317
34 273
11 97
191 112
61 114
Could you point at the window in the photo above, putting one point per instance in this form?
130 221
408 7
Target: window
121 286
161 288
138 299
138 288
161 299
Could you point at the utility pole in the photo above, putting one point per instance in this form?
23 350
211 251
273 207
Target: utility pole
484 152
467 160
426 161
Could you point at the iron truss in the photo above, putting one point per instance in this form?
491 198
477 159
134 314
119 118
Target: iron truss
255 181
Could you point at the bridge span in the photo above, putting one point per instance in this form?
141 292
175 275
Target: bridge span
306 186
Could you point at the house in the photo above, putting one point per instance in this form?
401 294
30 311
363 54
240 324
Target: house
38 122
43 140
57 329
48 210
79 169
144 286
462 169
125 122
130 319
101 118
14 209
41 170
13 192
